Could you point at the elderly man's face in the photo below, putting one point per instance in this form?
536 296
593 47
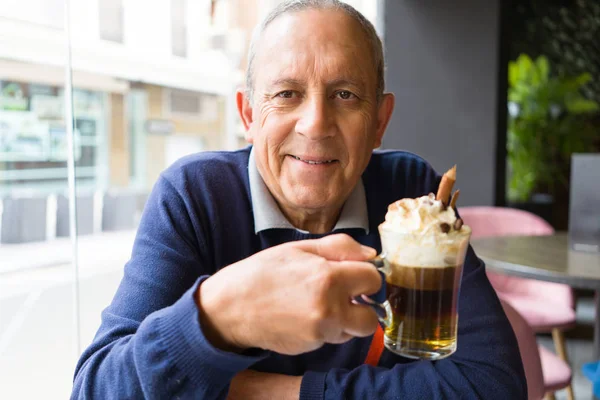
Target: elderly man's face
315 119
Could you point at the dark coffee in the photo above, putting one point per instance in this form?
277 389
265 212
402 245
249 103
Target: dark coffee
423 301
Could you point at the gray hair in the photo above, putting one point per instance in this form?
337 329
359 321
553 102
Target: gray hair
290 6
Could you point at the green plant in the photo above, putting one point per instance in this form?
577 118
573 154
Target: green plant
566 32
548 121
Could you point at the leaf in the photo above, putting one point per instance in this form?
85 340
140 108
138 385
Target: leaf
582 106
525 66
543 67
513 73
534 76
515 96
583 79
575 84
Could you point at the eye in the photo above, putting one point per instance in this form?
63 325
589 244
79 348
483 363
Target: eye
345 95
286 94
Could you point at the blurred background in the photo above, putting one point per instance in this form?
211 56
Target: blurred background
508 90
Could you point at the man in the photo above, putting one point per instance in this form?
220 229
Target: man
239 284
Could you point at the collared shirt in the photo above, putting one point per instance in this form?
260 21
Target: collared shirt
267 214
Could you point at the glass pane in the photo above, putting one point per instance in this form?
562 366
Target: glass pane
139 105
37 335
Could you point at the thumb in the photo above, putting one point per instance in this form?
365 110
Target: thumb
338 247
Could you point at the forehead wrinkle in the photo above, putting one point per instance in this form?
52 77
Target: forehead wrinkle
293 72
284 81
298 54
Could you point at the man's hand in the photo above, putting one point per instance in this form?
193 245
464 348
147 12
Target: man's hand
291 298
252 385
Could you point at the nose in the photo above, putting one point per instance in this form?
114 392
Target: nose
315 119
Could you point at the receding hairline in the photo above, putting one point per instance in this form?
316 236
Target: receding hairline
357 46
288 8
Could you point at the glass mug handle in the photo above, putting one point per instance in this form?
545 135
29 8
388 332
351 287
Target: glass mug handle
380 263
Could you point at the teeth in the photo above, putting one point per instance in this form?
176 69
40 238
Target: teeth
313 162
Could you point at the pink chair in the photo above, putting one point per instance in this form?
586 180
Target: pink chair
544 371
546 306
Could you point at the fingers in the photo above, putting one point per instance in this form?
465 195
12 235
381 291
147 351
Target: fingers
360 320
357 277
341 338
338 247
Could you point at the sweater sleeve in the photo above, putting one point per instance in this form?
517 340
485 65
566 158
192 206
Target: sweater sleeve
486 365
150 343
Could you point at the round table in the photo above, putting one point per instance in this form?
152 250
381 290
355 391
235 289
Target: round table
547 258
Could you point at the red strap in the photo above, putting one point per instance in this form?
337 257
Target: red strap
376 348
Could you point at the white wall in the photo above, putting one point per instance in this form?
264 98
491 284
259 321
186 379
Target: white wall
147 28
198 26
84 20
42 12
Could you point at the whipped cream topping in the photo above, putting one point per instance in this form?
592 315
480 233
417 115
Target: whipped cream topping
423 232
421 215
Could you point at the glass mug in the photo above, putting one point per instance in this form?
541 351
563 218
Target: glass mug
423 272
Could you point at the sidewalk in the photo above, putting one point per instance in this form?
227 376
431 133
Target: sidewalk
37 341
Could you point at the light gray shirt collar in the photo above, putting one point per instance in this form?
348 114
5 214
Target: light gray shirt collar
267 214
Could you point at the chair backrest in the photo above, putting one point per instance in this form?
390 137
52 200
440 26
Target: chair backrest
502 221
530 354
119 210
23 219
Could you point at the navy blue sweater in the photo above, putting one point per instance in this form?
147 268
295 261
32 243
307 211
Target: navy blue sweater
199 219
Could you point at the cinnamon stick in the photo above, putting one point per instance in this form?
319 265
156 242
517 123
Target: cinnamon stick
454 198
445 188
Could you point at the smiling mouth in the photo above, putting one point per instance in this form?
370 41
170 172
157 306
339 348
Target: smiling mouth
313 162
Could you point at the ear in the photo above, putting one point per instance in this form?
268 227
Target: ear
245 111
384 114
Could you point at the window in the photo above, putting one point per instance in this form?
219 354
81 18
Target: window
183 102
